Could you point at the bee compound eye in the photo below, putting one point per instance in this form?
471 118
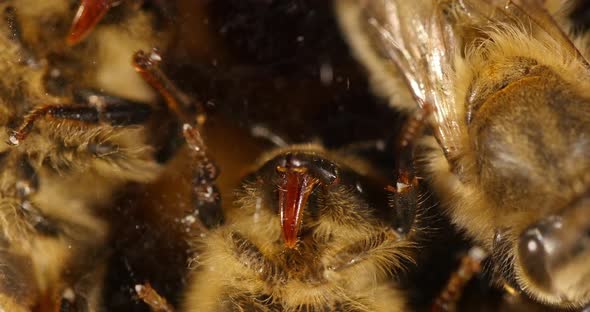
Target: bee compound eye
325 170
537 249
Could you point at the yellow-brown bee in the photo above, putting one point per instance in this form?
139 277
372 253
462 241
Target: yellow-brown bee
310 229
510 146
307 233
65 148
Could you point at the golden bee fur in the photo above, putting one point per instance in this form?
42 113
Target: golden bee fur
344 260
65 171
510 91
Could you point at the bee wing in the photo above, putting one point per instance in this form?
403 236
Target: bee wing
414 37
420 41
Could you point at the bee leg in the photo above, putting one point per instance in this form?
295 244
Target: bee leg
147 65
251 257
363 249
151 297
469 266
405 192
114 110
102 110
205 171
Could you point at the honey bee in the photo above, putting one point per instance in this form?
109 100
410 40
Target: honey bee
305 235
511 116
310 229
65 148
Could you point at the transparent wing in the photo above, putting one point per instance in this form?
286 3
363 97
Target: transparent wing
415 37
424 39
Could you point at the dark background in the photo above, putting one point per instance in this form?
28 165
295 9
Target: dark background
282 65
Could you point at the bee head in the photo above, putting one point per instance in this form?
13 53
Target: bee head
309 188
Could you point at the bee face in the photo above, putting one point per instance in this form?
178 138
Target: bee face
301 236
509 148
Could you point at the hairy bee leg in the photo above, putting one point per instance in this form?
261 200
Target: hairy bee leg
450 295
147 65
205 172
117 114
360 250
151 297
405 192
248 254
